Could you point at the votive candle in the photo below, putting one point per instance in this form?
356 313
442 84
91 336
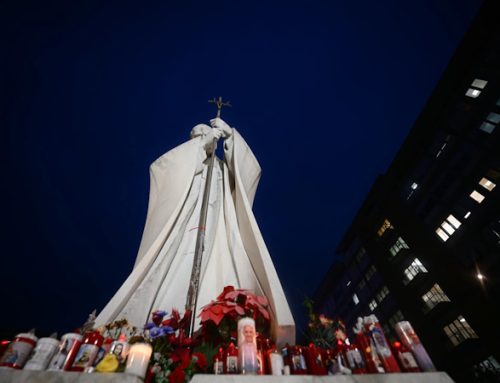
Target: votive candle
138 359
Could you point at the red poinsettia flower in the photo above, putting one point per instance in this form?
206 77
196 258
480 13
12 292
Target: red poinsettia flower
201 360
226 290
233 303
177 376
183 356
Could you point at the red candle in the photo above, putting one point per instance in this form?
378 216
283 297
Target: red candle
88 351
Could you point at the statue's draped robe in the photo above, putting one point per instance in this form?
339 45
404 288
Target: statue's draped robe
235 252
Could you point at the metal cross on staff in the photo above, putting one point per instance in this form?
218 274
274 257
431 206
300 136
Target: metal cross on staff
219 103
194 283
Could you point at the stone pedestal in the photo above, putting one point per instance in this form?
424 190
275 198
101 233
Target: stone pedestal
8 375
427 377
15 376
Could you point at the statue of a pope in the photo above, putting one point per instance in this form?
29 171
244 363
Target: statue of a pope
235 253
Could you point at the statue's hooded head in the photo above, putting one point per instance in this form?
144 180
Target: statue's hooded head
200 130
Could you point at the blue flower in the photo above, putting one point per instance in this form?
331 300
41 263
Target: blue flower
149 326
161 313
167 330
155 332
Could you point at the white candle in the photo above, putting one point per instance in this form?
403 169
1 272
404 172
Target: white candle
138 359
276 363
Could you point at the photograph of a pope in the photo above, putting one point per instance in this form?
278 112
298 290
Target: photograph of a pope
234 251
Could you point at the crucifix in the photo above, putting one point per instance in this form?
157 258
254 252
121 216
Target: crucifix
219 103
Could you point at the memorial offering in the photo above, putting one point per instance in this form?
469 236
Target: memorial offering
233 338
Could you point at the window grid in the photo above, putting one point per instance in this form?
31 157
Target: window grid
412 270
384 291
476 196
373 305
487 184
360 254
434 296
442 234
474 91
448 227
459 330
386 225
399 245
370 272
490 123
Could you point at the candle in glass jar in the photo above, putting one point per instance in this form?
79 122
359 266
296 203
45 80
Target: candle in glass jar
138 359
276 362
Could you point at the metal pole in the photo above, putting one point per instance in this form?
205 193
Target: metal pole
194 284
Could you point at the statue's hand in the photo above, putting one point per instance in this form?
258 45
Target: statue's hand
218 123
208 139
216 133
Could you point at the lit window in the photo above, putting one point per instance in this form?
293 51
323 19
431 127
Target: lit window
384 291
447 227
397 317
355 299
442 234
487 184
472 93
489 364
434 296
487 127
455 222
490 123
459 330
373 305
414 186
494 118
386 225
398 246
467 215
476 196
478 83
370 272
412 271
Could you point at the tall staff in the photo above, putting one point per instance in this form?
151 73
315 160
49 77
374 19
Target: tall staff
194 284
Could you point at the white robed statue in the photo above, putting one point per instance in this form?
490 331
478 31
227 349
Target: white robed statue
234 250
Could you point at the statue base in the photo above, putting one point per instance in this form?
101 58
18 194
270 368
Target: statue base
8 375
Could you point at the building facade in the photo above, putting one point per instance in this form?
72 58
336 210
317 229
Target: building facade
425 245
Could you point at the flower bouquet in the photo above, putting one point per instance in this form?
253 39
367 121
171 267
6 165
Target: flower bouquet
220 317
322 331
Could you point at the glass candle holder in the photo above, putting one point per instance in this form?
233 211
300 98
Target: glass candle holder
138 359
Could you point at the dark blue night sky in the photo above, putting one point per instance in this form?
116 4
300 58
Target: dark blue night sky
93 92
